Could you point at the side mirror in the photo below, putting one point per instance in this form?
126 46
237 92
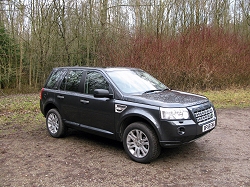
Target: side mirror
101 93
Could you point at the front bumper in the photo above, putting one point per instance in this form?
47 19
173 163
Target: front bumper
176 133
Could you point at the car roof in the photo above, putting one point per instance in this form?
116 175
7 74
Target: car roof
107 69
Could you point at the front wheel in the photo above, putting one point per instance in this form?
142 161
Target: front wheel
54 124
141 143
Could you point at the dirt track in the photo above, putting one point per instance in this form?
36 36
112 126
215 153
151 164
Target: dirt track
33 158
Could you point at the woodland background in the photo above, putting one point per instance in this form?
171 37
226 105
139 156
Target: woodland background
191 44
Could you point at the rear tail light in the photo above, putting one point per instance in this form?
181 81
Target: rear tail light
41 93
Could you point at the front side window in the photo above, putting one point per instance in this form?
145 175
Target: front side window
53 80
95 80
72 81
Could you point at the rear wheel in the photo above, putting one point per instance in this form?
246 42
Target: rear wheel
141 143
54 124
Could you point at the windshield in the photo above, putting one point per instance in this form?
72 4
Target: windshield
135 81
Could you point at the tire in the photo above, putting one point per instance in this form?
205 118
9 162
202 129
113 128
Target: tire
54 124
141 143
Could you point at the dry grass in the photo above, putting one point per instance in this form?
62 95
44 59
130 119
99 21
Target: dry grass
18 111
229 98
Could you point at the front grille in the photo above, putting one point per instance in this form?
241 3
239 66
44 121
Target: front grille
205 115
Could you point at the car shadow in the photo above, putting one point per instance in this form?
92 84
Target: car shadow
187 151
93 139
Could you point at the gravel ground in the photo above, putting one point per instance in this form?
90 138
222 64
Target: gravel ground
33 158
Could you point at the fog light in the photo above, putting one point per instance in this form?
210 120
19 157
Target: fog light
181 130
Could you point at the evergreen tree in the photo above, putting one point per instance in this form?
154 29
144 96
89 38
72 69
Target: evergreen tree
8 57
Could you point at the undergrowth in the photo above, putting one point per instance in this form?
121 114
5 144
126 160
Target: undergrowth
201 58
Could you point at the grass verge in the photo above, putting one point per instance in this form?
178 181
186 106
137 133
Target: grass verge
230 98
21 112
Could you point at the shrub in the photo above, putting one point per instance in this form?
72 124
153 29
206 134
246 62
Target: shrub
200 58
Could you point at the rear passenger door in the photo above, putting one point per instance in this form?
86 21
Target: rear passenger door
68 95
97 114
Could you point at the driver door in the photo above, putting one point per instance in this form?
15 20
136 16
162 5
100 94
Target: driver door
97 114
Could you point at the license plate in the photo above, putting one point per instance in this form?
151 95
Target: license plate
208 126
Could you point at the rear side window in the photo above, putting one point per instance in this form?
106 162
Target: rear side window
71 81
53 80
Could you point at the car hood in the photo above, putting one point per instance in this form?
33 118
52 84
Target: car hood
168 98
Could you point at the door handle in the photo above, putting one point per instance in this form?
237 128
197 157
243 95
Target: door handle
60 97
84 101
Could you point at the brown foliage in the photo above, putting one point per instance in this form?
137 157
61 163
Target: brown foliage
200 58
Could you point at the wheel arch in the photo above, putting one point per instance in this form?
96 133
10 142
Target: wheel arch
49 106
149 121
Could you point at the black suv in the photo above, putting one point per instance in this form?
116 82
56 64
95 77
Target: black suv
124 104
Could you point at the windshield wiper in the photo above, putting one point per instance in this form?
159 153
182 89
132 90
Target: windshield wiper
156 90
165 89
149 91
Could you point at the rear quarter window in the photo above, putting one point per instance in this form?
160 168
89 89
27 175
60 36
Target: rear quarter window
54 78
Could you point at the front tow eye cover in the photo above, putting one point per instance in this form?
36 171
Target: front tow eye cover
181 130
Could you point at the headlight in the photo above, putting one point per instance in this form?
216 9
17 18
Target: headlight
174 113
